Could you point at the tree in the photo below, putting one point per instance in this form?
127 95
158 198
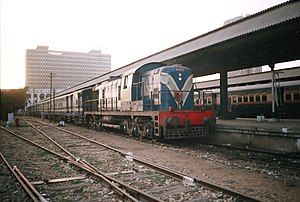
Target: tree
12 100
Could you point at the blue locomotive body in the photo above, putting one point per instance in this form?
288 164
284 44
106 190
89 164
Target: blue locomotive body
161 87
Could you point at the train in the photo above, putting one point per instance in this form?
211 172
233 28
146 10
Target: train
249 101
154 100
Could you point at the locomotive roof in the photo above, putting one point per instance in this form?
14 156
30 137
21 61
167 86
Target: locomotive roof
145 68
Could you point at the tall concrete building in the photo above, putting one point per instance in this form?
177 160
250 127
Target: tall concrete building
68 69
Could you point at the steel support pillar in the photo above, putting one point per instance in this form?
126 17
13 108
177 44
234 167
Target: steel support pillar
224 93
272 66
225 113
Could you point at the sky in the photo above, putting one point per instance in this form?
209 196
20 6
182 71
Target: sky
128 30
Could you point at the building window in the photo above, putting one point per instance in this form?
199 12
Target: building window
240 99
245 98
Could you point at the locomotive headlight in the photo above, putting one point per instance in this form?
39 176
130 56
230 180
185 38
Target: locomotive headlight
179 76
164 78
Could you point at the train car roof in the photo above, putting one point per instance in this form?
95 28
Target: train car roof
291 74
255 87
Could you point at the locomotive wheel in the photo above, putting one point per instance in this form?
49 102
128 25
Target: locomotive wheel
135 129
153 137
141 128
128 128
143 132
146 129
97 125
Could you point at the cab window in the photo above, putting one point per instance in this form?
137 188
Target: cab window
125 82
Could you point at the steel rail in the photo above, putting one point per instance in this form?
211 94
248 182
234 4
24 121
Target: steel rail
49 138
93 171
173 173
120 191
54 142
27 186
92 168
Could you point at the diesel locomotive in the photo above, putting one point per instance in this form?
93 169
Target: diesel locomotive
154 100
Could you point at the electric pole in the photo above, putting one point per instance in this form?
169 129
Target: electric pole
50 107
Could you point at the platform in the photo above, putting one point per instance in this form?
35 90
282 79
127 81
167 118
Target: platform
265 135
285 128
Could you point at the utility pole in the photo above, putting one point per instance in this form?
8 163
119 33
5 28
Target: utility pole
53 101
50 107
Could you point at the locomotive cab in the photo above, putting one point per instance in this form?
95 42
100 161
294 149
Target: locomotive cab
168 90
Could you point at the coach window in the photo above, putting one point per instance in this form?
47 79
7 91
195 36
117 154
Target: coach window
234 99
103 93
209 100
125 82
240 99
296 96
288 96
251 98
119 92
257 98
264 98
245 98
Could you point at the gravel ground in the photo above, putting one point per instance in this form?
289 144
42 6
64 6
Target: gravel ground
262 181
10 189
38 165
149 180
265 184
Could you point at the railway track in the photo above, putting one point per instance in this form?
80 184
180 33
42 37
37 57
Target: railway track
46 174
159 182
15 186
288 161
277 164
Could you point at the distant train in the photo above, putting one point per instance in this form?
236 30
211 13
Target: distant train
154 100
255 99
